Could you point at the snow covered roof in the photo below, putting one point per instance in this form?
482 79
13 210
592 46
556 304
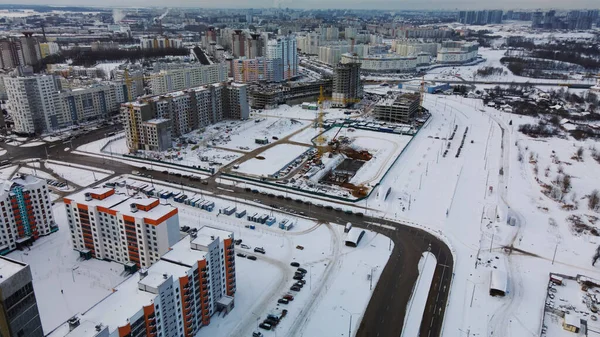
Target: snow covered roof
354 235
182 253
573 320
9 267
499 280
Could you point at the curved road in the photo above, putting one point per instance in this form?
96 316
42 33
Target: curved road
386 310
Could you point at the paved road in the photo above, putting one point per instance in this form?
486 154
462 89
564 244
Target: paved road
386 310
464 81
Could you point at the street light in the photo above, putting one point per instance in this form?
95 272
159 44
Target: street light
350 325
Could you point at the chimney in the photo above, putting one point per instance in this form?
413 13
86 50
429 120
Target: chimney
133 208
165 276
88 196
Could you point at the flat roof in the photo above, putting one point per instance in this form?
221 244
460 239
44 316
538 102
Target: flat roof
207 234
108 202
154 213
182 253
9 267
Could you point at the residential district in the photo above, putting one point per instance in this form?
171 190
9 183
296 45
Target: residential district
171 171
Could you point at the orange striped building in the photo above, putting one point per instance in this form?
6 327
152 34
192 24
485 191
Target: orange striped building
135 231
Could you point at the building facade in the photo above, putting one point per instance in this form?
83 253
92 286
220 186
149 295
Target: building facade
175 297
185 110
400 109
26 212
188 76
383 63
19 314
159 43
347 86
457 52
120 228
283 53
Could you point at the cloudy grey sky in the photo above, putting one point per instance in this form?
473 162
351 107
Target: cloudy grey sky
355 4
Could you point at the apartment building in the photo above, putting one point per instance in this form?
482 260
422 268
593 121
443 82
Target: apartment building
174 297
21 51
26 212
332 54
157 133
115 226
19 314
310 42
399 109
89 103
457 52
49 48
347 85
284 55
188 76
159 43
185 110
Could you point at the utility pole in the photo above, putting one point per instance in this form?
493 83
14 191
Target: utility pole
554 256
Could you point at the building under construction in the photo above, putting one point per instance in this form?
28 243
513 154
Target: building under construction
347 86
269 96
398 109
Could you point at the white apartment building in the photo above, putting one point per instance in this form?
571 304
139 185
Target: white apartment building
329 33
89 103
188 76
383 62
309 43
160 43
174 297
129 230
26 212
33 103
283 53
332 54
457 52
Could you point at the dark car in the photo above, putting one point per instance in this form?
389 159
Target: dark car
252 257
265 326
257 334
303 282
295 264
273 317
359 214
288 297
283 301
165 172
247 189
238 242
299 284
272 322
328 207
259 250
298 277
302 270
295 288
241 254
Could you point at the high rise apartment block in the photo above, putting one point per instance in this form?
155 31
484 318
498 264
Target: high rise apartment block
283 54
26 212
22 51
185 110
38 105
175 297
187 76
19 315
113 226
347 86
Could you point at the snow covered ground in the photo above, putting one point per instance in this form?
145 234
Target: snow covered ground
452 195
274 159
65 285
80 175
7 171
418 299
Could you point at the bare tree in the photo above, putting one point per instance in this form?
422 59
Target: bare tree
580 152
566 183
547 171
536 169
594 200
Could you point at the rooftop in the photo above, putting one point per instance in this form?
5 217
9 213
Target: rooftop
182 253
9 267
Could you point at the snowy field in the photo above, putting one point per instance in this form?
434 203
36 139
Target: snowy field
452 195
242 138
7 171
77 174
55 266
37 173
275 159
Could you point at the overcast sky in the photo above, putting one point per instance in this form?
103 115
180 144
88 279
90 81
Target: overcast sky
355 4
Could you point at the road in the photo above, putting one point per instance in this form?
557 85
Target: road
464 82
385 312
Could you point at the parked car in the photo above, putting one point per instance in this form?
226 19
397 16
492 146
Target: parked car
298 277
295 264
300 247
259 250
238 242
295 288
245 246
241 254
257 334
265 326
288 297
252 257
301 281
302 270
283 301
